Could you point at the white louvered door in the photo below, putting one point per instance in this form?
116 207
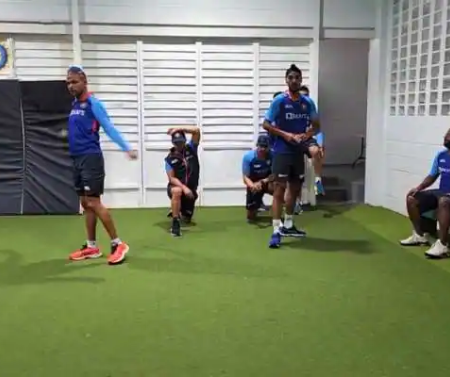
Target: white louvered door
227 96
112 70
170 98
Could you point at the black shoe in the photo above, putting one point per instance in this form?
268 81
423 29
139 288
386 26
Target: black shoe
175 230
292 232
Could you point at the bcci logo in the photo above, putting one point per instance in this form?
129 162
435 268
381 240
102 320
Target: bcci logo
3 56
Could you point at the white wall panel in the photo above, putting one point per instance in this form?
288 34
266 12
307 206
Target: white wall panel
112 75
227 77
169 99
42 58
35 10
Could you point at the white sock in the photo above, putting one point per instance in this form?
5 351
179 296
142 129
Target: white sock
288 221
91 244
276 225
116 241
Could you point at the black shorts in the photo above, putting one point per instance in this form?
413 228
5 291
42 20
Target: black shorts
428 200
288 167
187 204
311 143
89 174
254 200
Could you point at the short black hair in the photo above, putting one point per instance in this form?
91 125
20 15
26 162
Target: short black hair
293 68
304 88
277 94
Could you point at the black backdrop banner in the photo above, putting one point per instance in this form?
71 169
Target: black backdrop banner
48 185
11 148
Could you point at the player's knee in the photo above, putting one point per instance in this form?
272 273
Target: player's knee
176 192
313 151
91 202
444 201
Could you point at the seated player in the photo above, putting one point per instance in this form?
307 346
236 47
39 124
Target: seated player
183 171
256 171
419 200
315 149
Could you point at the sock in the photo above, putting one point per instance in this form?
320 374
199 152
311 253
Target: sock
91 244
276 225
116 241
288 221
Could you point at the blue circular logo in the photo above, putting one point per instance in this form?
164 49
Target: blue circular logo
3 56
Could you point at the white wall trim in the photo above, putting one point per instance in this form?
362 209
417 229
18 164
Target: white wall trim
141 125
330 33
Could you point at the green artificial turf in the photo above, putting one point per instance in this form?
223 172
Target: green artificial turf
347 301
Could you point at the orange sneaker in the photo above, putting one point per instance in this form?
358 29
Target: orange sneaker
85 252
118 253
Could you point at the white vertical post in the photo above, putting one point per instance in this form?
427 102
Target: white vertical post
256 94
141 121
76 38
199 115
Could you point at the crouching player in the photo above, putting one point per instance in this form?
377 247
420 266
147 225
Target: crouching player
256 172
183 172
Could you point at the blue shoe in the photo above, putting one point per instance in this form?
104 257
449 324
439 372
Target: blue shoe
275 241
292 232
298 209
319 187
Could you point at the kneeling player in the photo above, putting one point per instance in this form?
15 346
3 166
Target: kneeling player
183 171
256 171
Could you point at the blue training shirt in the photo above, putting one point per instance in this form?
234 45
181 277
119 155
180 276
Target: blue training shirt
293 116
256 168
85 120
441 167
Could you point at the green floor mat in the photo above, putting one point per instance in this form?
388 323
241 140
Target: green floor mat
346 301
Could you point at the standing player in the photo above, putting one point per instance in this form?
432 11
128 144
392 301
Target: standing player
288 118
87 116
256 172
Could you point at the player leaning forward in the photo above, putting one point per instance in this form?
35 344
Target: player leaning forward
88 115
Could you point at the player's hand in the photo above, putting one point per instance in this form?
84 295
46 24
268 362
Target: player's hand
299 138
132 155
321 152
187 191
413 191
257 186
290 138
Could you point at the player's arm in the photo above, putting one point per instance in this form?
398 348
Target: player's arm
194 131
102 117
246 162
271 117
432 175
174 181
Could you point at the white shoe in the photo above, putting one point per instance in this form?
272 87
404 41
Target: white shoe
415 240
437 251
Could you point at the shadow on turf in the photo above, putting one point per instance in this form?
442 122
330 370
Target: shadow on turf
330 245
190 263
13 271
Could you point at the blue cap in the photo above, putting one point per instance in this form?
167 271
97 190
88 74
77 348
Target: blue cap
263 141
76 68
178 137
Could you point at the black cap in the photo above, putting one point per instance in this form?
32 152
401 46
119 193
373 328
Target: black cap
263 141
178 137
